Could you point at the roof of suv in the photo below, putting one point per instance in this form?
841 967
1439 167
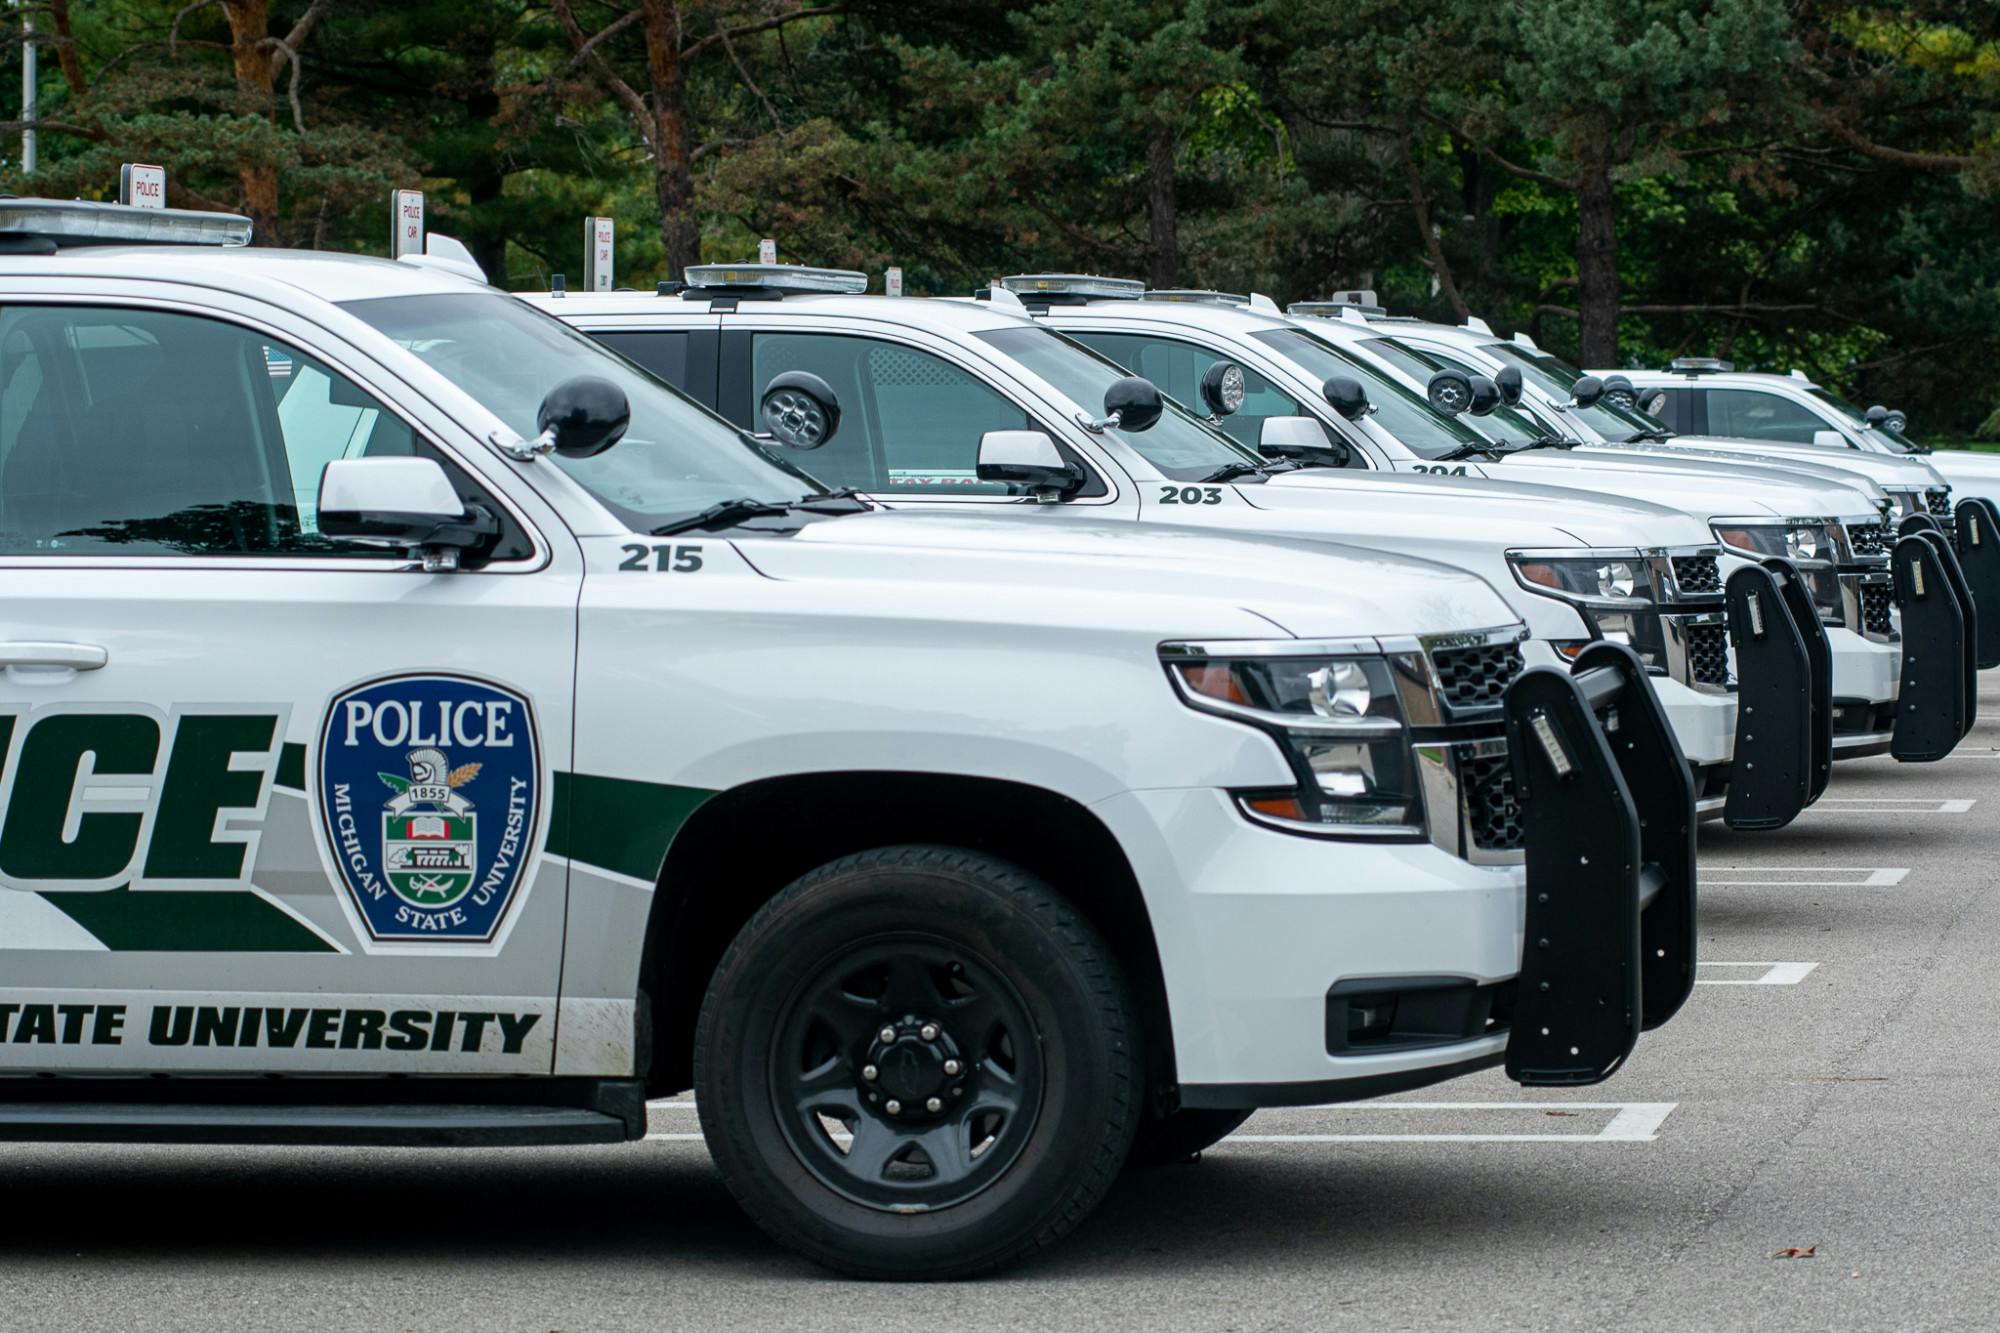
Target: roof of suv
326 275
948 316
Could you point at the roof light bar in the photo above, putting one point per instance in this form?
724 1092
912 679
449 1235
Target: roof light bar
1073 284
1331 310
1196 296
1698 365
776 278
82 222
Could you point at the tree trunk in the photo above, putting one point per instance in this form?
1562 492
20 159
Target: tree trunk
1420 210
673 156
256 74
1597 266
1160 206
484 176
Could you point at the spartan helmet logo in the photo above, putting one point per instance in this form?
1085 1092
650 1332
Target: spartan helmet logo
428 768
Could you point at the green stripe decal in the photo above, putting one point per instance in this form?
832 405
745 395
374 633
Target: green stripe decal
617 824
291 768
167 922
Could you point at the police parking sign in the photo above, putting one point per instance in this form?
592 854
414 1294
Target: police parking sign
429 793
142 186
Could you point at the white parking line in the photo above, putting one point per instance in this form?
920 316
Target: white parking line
1888 805
1774 974
1635 1122
1853 877
1632 1122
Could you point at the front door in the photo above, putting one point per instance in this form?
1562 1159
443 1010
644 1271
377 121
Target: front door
268 802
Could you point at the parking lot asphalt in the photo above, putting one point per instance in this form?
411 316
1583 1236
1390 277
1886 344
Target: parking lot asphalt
1830 1090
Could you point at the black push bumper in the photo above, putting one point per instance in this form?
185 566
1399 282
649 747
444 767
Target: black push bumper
1937 699
1976 526
1784 697
1607 808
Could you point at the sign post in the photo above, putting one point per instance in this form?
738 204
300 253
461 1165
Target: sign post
142 186
892 282
597 249
406 223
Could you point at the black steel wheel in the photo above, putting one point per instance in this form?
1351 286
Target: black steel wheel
917 1062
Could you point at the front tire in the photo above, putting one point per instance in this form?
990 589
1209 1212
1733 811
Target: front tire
917 1062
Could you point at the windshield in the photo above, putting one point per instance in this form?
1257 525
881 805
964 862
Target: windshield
676 457
1901 443
1505 424
1554 376
1404 414
1178 445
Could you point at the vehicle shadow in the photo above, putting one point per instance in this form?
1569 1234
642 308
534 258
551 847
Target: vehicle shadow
1277 1206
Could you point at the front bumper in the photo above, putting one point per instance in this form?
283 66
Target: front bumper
1278 950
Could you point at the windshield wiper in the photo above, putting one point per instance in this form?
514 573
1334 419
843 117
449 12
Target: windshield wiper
1487 447
1649 437
1234 471
725 513
1543 442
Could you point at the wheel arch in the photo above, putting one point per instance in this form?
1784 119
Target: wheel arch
739 848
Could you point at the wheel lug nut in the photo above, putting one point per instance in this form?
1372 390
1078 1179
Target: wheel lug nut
934 1105
928 1032
887 1035
893 1107
868 1072
951 1068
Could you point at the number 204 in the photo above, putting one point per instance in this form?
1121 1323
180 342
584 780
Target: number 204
660 559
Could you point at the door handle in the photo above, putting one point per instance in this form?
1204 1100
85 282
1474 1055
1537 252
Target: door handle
73 656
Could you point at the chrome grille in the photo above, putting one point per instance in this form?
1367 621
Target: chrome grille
1476 677
1697 574
1938 499
1708 654
1868 538
1875 603
1492 815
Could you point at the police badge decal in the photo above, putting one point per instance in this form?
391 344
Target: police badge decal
430 792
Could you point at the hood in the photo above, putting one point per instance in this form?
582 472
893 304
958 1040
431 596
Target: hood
1900 471
1154 578
1469 511
1706 486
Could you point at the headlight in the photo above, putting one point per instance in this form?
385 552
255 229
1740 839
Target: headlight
1613 593
1338 723
1809 542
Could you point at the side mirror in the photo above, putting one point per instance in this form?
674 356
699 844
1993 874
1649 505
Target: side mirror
1485 396
1829 439
1347 396
1653 402
799 410
1222 388
1302 440
583 417
403 503
1876 416
1896 421
1027 458
1618 392
1586 391
1508 380
1132 404
1450 392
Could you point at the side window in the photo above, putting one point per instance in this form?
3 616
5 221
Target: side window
909 420
143 432
1177 367
1753 415
664 355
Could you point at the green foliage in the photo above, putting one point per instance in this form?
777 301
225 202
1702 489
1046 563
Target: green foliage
1792 182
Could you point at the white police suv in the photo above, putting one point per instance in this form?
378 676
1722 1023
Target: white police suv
420 727
1393 415
1704 396
966 405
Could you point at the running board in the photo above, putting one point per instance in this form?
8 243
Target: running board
388 1126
